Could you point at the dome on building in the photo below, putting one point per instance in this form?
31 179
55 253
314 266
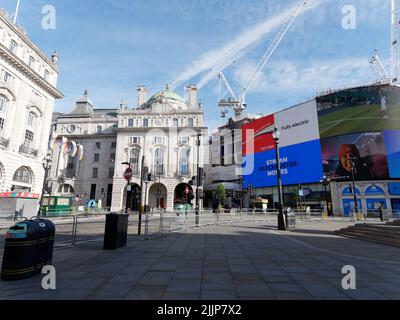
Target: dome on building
167 97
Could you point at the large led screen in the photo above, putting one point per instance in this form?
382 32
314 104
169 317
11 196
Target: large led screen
362 109
367 151
392 143
299 145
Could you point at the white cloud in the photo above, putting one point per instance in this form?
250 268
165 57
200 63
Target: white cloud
296 76
212 62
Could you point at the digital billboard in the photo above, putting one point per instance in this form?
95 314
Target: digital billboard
367 150
299 145
392 143
362 109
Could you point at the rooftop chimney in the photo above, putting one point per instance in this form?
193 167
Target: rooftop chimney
192 99
142 95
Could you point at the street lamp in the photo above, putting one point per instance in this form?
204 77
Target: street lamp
159 172
198 179
352 160
325 182
281 221
127 187
46 163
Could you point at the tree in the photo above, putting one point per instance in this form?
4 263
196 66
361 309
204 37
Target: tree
221 195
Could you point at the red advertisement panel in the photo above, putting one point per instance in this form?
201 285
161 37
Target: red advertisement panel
259 133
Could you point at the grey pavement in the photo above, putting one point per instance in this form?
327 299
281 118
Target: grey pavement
247 261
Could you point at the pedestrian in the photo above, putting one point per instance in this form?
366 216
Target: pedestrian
380 212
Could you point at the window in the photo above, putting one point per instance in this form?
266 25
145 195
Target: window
31 121
190 122
96 157
111 172
70 173
134 140
46 75
98 145
95 173
159 161
13 46
31 61
222 150
23 175
145 122
130 122
159 140
184 162
113 145
3 103
29 135
134 160
99 129
1 124
7 77
183 140
112 157
175 122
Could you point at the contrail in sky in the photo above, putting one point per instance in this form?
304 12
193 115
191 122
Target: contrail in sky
214 61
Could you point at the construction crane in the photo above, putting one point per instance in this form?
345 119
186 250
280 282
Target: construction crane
238 103
395 24
380 69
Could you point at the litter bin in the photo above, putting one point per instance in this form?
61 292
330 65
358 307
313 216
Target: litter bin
28 247
116 231
290 220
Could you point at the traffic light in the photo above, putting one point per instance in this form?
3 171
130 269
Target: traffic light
192 181
149 177
201 176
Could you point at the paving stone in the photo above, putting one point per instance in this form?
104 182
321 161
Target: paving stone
146 293
218 295
161 278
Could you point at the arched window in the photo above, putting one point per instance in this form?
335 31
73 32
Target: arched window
66 188
46 75
159 161
23 175
3 103
190 122
145 122
175 122
184 162
130 122
13 46
31 61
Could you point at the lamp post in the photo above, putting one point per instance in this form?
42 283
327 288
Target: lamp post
281 221
127 178
352 160
198 179
159 184
46 162
325 182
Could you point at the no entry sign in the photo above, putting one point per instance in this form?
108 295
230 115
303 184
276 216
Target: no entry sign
128 174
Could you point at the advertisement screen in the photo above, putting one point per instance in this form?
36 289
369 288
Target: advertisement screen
392 142
363 109
299 146
366 150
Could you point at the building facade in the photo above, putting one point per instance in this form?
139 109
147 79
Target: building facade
161 130
28 81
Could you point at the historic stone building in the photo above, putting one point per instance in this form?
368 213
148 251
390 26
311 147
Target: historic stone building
28 80
163 130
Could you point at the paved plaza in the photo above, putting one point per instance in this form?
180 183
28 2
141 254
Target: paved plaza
243 261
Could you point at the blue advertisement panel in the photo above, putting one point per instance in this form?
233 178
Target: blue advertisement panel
374 204
348 206
392 141
300 163
394 188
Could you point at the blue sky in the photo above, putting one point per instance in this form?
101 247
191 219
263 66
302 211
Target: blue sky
111 46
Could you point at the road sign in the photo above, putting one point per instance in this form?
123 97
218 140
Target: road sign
128 174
